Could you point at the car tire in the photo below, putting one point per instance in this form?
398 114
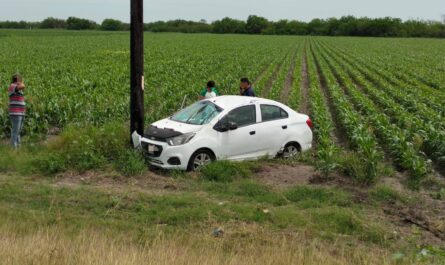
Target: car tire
291 150
200 158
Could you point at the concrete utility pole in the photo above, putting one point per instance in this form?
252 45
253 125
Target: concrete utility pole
137 67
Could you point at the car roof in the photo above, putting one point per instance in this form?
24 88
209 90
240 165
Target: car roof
229 102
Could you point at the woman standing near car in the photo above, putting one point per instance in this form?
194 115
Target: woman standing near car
17 108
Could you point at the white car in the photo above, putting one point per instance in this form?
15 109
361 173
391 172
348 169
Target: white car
226 127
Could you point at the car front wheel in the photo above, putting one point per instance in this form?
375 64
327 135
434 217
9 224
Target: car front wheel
200 159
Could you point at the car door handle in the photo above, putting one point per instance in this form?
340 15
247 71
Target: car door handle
252 132
284 127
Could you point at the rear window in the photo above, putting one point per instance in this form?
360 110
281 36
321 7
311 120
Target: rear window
271 112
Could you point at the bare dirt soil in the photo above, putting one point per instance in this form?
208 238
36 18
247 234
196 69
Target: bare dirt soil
153 181
285 176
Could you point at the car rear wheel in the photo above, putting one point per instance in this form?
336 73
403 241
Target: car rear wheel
291 150
200 159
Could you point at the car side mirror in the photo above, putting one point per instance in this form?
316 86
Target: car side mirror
233 126
221 127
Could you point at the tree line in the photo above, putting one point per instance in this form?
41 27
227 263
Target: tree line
344 26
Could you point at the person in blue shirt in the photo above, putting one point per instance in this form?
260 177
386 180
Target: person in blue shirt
246 88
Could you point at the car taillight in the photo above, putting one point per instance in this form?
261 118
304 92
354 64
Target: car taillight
309 123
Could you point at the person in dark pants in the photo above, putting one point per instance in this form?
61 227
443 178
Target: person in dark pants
246 88
17 108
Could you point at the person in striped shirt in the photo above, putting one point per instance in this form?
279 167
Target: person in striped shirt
17 108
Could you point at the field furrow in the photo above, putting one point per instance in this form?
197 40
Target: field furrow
412 95
395 140
429 139
359 134
289 80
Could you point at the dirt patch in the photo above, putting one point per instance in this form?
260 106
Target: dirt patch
396 182
424 219
151 181
338 134
289 81
284 176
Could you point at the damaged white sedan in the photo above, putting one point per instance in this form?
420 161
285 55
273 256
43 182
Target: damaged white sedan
226 127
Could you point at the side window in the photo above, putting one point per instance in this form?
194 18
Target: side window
271 112
243 116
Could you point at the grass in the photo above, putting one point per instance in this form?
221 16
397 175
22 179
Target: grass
79 148
46 223
253 246
261 223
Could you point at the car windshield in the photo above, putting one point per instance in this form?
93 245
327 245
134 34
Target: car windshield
200 113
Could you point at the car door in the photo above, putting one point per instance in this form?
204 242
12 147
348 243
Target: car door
240 143
274 128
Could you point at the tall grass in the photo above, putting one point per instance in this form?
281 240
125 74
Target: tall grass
79 148
52 246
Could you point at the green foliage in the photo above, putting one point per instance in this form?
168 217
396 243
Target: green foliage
52 23
112 25
344 221
68 87
78 148
130 163
383 193
49 163
75 23
225 171
357 167
309 196
344 26
401 141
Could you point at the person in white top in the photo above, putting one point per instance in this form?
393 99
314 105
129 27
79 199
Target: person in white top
209 91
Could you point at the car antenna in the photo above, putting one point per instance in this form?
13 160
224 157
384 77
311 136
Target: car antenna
183 102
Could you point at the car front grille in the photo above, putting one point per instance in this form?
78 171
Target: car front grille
156 153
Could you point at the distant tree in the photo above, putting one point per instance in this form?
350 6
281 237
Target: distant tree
178 25
75 23
344 26
18 25
228 25
256 24
296 27
280 27
112 25
53 23
317 27
347 26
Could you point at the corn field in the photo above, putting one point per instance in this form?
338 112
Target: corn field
380 101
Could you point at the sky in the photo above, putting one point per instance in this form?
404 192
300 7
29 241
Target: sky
210 10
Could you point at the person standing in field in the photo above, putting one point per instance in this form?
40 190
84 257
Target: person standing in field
209 91
17 108
246 88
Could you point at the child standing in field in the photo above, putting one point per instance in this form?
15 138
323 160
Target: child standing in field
17 108
209 91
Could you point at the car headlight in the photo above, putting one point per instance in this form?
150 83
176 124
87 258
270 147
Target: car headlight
181 139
